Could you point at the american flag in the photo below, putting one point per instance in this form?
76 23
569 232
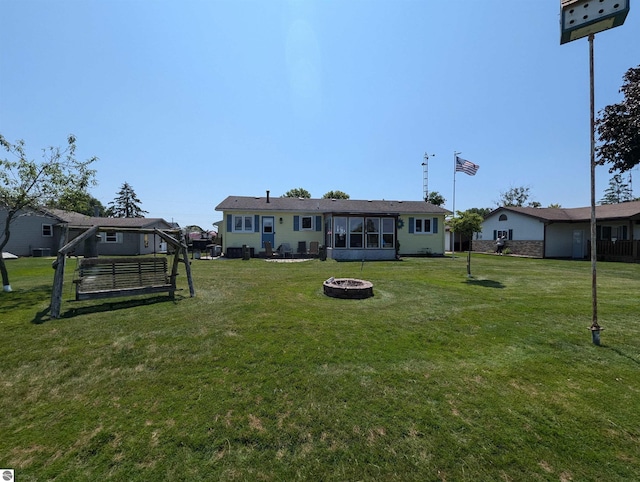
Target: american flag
465 166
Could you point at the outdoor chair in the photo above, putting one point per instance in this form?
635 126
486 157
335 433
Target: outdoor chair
285 249
302 248
314 248
269 250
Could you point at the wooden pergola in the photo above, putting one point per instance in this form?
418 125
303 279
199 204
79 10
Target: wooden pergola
173 238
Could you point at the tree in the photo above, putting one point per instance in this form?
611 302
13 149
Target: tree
618 127
484 212
335 195
27 184
554 206
126 205
467 223
617 192
80 202
299 192
516 197
435 198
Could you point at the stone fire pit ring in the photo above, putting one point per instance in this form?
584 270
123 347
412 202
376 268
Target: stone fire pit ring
348 288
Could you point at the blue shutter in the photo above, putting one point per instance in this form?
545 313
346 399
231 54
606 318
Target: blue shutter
256 228
318 223
434 228
495 234
229 223
411 223
296 223
511 234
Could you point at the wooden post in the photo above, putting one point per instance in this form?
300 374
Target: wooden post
58 277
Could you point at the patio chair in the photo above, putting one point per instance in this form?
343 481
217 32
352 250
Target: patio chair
302 248
269 250
314 248
285 249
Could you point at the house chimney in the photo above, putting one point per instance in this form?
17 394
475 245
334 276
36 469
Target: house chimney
268 196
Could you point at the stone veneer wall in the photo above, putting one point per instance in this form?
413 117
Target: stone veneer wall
535 249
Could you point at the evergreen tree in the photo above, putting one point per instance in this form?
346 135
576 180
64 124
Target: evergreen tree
126 205
617 192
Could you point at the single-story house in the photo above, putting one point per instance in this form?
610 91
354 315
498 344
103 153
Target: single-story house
347 229
565 233
39 233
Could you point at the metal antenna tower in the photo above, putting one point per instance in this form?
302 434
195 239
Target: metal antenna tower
425 176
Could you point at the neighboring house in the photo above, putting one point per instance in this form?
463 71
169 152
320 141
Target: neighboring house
348 229
40 232
565 233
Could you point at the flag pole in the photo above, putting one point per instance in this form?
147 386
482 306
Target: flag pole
453 246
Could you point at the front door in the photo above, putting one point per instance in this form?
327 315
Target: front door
578 244
268 230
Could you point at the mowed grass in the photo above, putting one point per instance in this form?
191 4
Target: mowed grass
262 377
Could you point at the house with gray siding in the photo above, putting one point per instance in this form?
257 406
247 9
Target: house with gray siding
41 232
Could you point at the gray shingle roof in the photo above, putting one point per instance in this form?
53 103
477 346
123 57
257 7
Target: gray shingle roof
77 219
627 210
287 204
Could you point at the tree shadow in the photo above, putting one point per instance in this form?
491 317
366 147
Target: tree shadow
622 354
44 316
22 298
486 283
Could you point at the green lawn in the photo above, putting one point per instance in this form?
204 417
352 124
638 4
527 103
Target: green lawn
262 377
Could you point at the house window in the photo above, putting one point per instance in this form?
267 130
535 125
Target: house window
388 232
339 232
47 230
503 217
423 225
608 233
502 234
242 224
356 226
307 223
373 232
112 237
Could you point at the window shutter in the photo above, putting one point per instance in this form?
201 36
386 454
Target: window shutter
229 223
434 226
411 223
296 223
318 223
495 234
511 234
256 222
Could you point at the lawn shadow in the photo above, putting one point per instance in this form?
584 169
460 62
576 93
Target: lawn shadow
486 283
24 298
43 316
622 354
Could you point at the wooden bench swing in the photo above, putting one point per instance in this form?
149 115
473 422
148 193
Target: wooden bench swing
99 278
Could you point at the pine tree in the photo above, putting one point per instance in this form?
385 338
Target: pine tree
617 192
126 205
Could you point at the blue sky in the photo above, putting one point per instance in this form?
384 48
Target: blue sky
191 101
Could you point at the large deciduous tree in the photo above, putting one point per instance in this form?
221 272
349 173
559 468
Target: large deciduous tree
435 198
79 202
335 195
516 197
298 192
26 184
126 204
618 127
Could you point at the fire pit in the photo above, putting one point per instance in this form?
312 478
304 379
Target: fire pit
350 288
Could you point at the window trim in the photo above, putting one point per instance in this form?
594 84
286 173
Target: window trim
243 218
311 224
49 227
415 225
